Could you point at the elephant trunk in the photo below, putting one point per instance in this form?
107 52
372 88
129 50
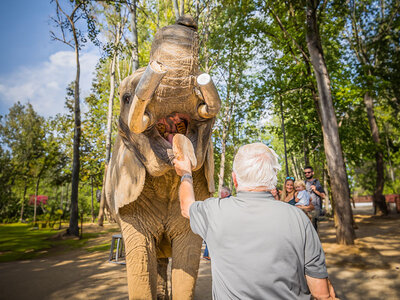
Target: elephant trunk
210 94
150 80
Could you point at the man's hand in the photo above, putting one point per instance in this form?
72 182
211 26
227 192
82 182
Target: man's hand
313 187
182 166
321 289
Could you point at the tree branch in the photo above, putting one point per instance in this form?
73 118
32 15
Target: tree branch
288 34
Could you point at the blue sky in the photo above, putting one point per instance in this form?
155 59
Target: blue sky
34 68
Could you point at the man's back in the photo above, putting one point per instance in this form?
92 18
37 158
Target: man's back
261 248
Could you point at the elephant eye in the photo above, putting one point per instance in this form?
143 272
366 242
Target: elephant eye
127 98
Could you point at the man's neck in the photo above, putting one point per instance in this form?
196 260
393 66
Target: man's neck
310 179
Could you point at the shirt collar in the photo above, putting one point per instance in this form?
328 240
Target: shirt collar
255 195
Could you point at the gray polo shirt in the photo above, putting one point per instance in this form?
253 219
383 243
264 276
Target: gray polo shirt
260 248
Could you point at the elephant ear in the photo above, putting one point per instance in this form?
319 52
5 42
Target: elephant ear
209 168
127 176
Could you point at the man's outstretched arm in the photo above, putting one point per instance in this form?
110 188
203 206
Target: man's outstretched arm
321 288
186 193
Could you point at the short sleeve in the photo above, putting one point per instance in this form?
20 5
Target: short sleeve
319 187
198 218
314 255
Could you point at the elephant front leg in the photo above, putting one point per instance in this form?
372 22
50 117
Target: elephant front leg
141 263
186 252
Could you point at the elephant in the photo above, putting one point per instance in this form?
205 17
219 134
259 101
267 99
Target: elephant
169 97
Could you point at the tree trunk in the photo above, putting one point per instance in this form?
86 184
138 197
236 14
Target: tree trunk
111 97
336 168
62 195
135 43
74 217
205 40
100 217
295 172
378 198
391 171
182 8
23 202
326 189
305 149
197 9
223 149
35 203
284 138
92 200
176 8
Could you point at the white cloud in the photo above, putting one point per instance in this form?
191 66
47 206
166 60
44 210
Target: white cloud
44 85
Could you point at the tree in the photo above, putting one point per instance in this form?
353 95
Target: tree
296 33
9 206
337 170
132 5
113 27
372 36
67 23
22 131
179 9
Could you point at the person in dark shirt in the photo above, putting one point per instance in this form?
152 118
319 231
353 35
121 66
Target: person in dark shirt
317 193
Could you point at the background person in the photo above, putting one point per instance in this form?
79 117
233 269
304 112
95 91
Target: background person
288 191
317 193
284 258
225 192
302 197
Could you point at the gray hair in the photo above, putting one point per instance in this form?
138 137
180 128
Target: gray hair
256 165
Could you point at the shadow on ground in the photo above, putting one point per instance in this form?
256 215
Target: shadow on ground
74 276
371 268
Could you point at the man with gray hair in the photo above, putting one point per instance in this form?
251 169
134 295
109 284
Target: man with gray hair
284 258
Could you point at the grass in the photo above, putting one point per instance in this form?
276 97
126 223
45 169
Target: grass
101 247
21 241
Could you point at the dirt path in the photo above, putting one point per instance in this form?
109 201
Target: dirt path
368 270
371 268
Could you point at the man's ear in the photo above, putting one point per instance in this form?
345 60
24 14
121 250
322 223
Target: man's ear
234 180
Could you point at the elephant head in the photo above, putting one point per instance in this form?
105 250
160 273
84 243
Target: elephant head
168 97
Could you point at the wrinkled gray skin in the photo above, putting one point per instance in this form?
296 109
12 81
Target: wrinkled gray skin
141 187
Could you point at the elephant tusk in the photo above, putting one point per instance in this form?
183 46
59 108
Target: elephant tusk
138 121
210 94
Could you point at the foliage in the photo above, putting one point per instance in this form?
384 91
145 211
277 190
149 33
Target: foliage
9 206
257 55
